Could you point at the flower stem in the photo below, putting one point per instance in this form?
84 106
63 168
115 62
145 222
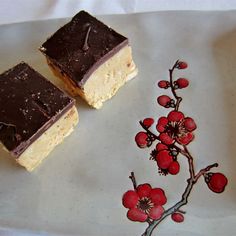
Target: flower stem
148 131
178 99
132 177
203 171
190 162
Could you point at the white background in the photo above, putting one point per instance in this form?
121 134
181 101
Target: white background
27 10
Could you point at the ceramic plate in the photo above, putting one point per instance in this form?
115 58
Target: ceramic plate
78 190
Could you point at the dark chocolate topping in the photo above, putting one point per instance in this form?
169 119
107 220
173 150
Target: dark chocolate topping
81 46
29 105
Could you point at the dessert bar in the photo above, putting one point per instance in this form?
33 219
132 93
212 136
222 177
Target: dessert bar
35 115
92 59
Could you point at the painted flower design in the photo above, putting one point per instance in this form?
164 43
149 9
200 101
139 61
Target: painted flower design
175 132
144 203
176 127
166 158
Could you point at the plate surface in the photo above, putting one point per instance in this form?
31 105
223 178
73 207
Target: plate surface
78 189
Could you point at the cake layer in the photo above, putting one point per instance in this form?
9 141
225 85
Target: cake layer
105 81
53 136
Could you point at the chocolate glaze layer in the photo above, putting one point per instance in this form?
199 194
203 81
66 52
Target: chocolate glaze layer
29 105
81 46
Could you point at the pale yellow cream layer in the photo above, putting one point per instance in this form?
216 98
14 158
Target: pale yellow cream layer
105 81
39 149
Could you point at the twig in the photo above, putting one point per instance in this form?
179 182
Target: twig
184 200
132 177
178 99
148 131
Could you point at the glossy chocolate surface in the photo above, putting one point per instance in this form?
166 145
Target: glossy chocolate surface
81 46
29 105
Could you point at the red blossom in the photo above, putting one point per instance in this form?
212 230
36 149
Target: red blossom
216 182
144 190
177 217
161 146
135 214
176 127
148 122
141 139
164 100
182 83
182 65
165 138
164 84
156 212
164 159
174 168
144 203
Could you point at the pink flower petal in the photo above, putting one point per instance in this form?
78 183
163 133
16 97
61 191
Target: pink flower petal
189 124
164 159
156 212
144 190
161 146
175 116
162 121
185 139
130 199
163 100
135 214
148 122
160 128
141 139
166 139
177 217
158 197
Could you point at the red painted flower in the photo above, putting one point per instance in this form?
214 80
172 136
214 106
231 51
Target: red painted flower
176 127
141 139
144 203
177 217
163 84
216 182
182 65
166 158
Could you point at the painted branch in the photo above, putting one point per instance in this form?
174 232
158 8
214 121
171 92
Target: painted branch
184 200
132 177
178 99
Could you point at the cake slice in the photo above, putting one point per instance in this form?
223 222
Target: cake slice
35 115
92 59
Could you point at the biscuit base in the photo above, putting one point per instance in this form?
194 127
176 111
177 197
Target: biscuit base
105 81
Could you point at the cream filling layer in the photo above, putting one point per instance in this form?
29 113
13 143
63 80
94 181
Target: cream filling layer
105 81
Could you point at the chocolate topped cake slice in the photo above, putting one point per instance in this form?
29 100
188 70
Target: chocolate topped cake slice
35 115
92 59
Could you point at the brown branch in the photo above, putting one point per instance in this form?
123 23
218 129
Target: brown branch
190 162
132 177
184 200
203 171
178 99
148 131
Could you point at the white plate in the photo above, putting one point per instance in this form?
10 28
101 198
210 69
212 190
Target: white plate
78 189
